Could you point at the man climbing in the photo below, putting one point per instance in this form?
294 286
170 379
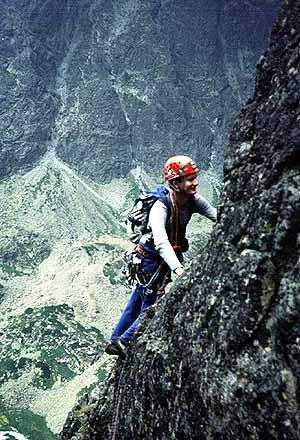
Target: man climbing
159 251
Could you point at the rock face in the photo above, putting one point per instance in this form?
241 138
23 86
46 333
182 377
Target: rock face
220 358
124 80
31 50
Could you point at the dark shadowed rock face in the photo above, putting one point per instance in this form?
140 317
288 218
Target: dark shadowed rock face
220 359
32 47
124 80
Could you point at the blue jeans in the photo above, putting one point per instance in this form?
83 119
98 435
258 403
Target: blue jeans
138 302
128 321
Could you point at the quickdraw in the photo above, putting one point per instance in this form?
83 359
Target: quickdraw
132 269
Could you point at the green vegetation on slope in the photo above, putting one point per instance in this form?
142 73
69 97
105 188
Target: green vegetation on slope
24 421
48 343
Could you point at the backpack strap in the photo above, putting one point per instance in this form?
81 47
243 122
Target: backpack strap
166 200
172 225
175 239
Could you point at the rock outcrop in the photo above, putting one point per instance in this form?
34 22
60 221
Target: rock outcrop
220 357
32 47
124 79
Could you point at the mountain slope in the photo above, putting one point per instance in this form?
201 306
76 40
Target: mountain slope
54 256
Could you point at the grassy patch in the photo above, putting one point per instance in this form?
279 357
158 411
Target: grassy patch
49 343
11 270
101 374
32 426
113 270
93 248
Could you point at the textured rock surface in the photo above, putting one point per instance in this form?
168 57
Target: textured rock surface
220 358
124 79
32 46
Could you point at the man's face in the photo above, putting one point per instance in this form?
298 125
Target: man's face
189 184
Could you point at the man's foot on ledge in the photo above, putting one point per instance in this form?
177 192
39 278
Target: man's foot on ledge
111 349
121 347
116 348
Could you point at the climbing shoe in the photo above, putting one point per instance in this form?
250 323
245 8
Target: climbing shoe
121 347
111 349
116 348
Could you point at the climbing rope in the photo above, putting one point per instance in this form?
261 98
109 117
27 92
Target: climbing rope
118 395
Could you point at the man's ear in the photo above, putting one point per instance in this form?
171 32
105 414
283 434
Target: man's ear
176 186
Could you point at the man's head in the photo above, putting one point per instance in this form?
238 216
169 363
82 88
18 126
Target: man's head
181 174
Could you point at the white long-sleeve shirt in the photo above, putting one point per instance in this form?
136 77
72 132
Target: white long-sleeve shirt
158 218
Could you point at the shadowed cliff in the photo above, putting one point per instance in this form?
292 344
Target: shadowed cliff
219 357
93 79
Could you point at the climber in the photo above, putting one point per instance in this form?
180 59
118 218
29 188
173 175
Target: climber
159 251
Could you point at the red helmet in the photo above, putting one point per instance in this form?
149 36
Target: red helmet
178 166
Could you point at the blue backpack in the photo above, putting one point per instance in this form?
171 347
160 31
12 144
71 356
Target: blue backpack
139 215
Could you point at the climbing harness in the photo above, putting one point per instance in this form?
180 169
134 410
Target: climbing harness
152 280
133 270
